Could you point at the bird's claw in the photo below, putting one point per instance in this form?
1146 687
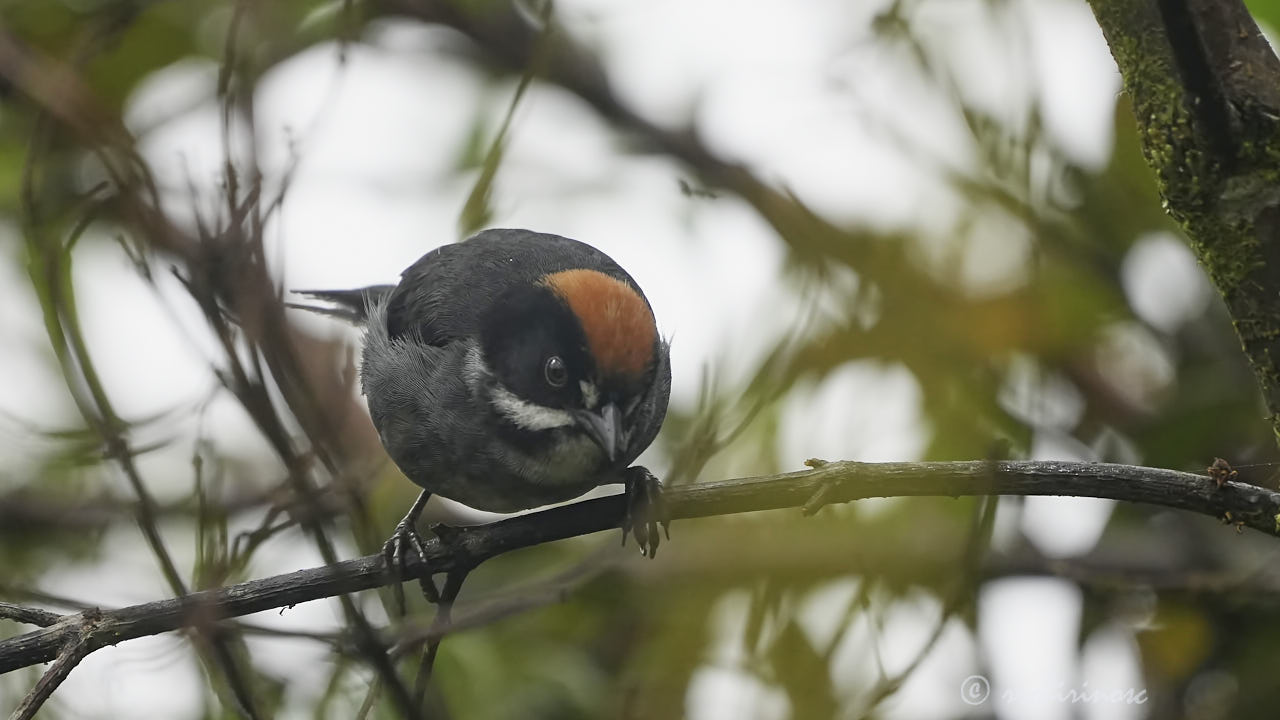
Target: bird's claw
395 550
646 509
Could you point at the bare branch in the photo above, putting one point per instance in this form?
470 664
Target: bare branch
840 482
76 649
28 615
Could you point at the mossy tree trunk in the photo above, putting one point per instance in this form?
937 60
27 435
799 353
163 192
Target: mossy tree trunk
1205 89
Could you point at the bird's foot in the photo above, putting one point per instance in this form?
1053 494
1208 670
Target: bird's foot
646 509
394 553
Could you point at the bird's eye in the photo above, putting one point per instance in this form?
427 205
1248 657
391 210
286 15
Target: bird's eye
555 371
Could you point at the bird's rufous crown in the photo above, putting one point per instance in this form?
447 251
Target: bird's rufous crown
618 325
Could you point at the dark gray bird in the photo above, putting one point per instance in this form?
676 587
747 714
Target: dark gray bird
512 370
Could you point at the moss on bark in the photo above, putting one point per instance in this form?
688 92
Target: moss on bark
1200 76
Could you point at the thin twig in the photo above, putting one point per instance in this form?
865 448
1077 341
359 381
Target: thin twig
50 272
960 597
370 698
70 656
488 611
444 610
28 615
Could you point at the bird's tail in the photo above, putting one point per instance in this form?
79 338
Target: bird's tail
350 305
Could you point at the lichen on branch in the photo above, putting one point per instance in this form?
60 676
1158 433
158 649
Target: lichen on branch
1204 85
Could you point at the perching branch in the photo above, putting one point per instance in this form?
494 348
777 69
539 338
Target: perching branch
836 482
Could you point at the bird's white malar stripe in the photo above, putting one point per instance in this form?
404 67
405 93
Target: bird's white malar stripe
524 414
590 395
527 415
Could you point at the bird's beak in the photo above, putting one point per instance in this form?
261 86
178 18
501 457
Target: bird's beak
605 428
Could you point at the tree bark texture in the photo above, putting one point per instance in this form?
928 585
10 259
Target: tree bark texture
1205 89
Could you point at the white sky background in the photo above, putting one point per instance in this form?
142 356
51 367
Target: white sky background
797 91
